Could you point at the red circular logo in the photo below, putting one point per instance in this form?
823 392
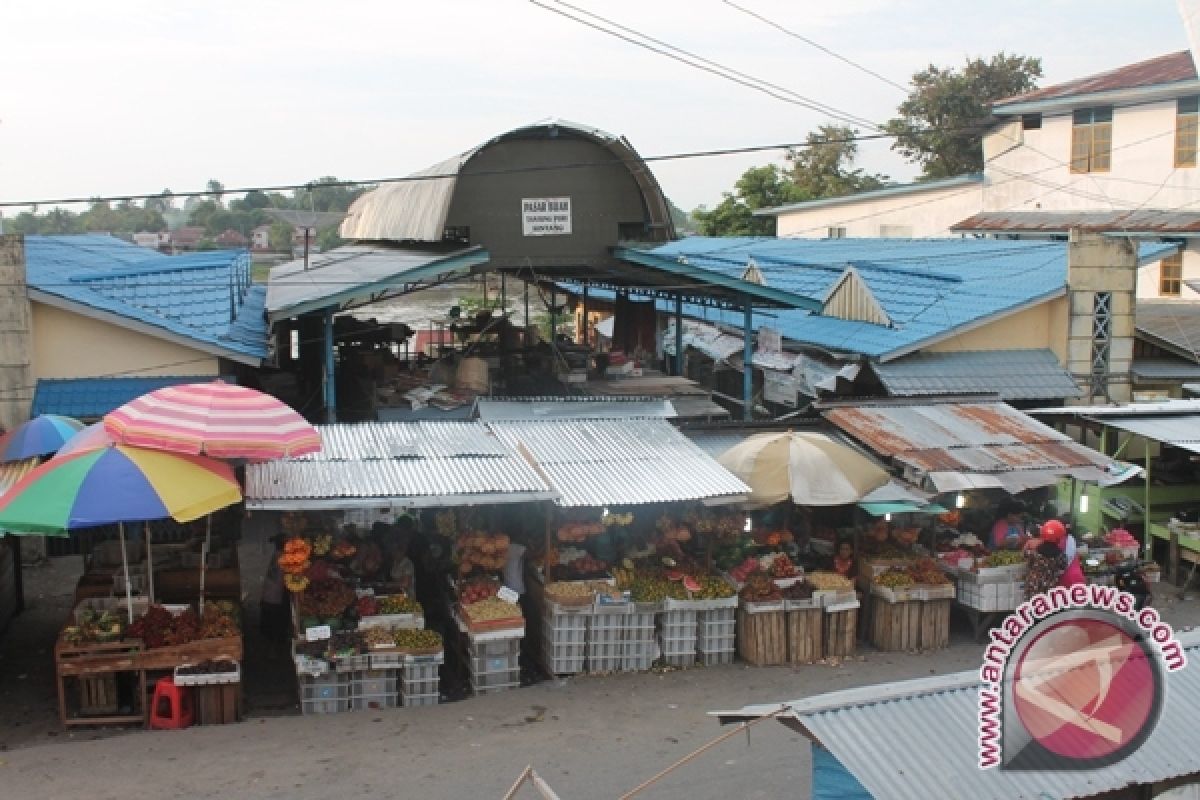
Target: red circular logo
1085 689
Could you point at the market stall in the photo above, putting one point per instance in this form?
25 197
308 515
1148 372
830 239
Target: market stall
628 575
395 544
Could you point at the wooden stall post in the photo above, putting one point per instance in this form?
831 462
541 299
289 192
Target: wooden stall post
549 568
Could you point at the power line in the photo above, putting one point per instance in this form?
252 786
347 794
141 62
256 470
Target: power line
632 162
822 48
706 65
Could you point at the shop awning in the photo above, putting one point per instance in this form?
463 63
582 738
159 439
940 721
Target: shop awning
620 462
879 509
397 465
955 446
1177 430
852 724
559 408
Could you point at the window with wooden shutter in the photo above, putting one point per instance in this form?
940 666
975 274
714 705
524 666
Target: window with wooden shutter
1091 139
1185 131
1170 275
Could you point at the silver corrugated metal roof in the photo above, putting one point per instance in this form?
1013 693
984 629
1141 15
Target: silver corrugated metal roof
354 271
1012 374
397 464
490 410
620 462
1164 369
367 441
1177 430
941 715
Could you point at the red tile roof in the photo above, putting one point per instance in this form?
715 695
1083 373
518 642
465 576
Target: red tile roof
1170 68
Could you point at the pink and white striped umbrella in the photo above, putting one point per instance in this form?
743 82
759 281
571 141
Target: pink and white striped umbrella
218 419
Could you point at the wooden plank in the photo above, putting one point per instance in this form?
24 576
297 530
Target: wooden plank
805 641
841 633
935 625
896 627
762 638
227 649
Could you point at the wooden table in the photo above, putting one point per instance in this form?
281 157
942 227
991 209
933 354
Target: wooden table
96 662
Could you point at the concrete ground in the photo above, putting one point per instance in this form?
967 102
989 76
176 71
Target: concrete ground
589 737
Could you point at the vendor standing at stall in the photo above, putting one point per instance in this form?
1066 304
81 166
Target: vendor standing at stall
1008 532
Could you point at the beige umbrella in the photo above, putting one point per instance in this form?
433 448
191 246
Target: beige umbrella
809 468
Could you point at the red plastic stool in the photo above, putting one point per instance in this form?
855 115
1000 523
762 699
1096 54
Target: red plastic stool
171 708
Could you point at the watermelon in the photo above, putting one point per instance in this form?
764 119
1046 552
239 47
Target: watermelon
691 584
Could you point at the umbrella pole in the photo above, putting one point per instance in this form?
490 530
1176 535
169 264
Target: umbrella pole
204 559
125 565
149 564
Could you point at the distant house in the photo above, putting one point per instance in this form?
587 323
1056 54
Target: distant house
98 307
1115 153
187 237
152 240
260 238
230 238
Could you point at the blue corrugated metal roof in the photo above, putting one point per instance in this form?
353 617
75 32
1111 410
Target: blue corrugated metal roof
928 287
206 297
92 398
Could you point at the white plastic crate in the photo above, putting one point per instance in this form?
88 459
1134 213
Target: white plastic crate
606 628
352 663
411 701
501 680
639 655
323 694
677 647
712 659
680 660
564 660
374 682
677 624
374 702
496 656
569 635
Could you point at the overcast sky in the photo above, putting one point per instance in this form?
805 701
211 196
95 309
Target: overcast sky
131 97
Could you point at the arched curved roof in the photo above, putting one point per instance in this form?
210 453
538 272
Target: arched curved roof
416 210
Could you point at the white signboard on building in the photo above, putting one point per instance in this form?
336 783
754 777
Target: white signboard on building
779 387
545 216
770 340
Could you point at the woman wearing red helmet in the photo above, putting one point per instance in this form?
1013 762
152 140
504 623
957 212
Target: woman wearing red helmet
1054 561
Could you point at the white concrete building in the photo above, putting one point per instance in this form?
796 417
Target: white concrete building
1114 152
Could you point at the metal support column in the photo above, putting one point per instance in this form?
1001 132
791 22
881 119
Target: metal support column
748 361
679 334
584 339
553 316
1146 536
527 339
330 388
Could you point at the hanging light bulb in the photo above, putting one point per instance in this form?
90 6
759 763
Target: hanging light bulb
887 517
749 525
960 501
604 513
1083 503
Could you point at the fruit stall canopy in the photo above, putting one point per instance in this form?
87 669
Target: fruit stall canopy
601 462
397 465
955 446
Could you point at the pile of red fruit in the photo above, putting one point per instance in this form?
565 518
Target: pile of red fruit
366 606
587 566
477 589
782 567
743 570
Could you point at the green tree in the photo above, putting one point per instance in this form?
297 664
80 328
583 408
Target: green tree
202 212
161 204
328 238
822 168
280 236
759 187
206 243
101 217
61 221
215 189
254 200
953 106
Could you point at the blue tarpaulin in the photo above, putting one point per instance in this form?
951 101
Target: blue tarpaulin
831 780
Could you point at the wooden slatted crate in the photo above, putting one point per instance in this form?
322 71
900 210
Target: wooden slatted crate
762 635
805 643
935 624
841 633
895 627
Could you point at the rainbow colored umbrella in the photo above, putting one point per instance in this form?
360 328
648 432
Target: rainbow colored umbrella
40 436
93 437
218 419
117 484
